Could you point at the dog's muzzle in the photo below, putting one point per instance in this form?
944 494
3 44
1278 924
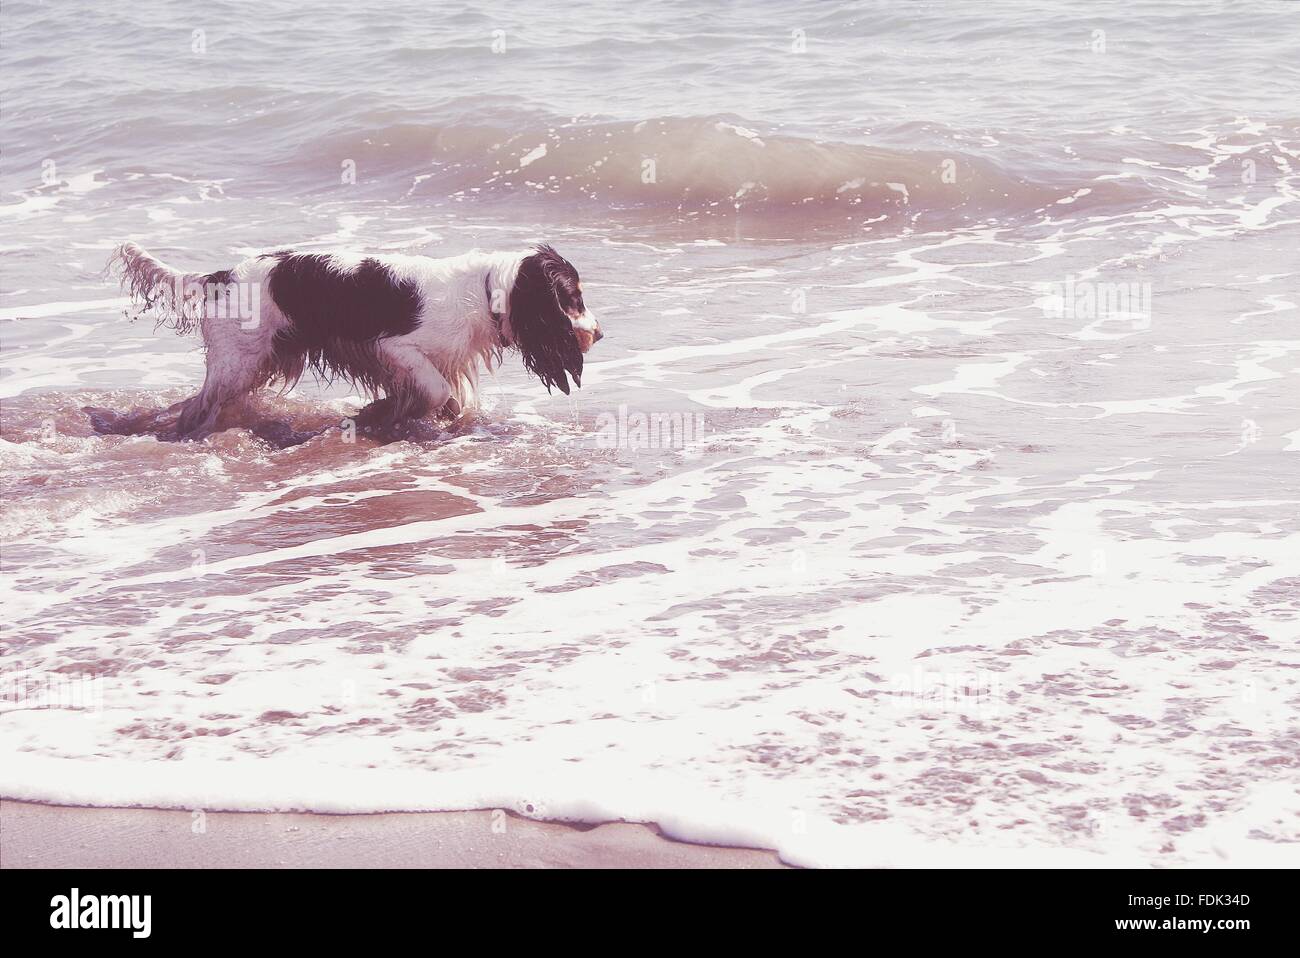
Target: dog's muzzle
587 330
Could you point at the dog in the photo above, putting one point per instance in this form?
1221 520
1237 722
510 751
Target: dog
412 328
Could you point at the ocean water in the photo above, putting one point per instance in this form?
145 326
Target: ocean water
934 497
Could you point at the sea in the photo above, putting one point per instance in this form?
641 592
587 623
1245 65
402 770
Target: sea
932 499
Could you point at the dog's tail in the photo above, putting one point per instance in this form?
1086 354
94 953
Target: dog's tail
175 299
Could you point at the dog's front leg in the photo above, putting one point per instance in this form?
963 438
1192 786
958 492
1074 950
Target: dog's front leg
418 388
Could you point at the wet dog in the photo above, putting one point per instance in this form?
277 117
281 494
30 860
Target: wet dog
410 331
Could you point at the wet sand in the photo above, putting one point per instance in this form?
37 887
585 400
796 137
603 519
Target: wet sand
59 836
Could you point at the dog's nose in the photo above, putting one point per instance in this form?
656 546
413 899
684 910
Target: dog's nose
598 336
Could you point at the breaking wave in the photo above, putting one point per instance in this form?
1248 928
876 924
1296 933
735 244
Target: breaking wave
704 165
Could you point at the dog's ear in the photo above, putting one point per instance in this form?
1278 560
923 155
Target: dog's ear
539 326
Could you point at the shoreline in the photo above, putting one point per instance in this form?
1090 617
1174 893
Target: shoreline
36 835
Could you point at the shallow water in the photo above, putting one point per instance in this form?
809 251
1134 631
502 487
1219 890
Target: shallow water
948 522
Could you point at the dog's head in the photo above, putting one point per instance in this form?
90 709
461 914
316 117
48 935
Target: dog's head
549 322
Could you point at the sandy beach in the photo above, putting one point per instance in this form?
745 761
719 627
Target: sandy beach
58 836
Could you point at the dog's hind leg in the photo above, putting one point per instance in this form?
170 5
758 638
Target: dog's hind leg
220 388
240 357
238 361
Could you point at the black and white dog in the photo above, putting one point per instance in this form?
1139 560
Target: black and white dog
413 328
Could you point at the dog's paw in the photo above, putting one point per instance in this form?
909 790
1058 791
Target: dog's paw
376 416
451 409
